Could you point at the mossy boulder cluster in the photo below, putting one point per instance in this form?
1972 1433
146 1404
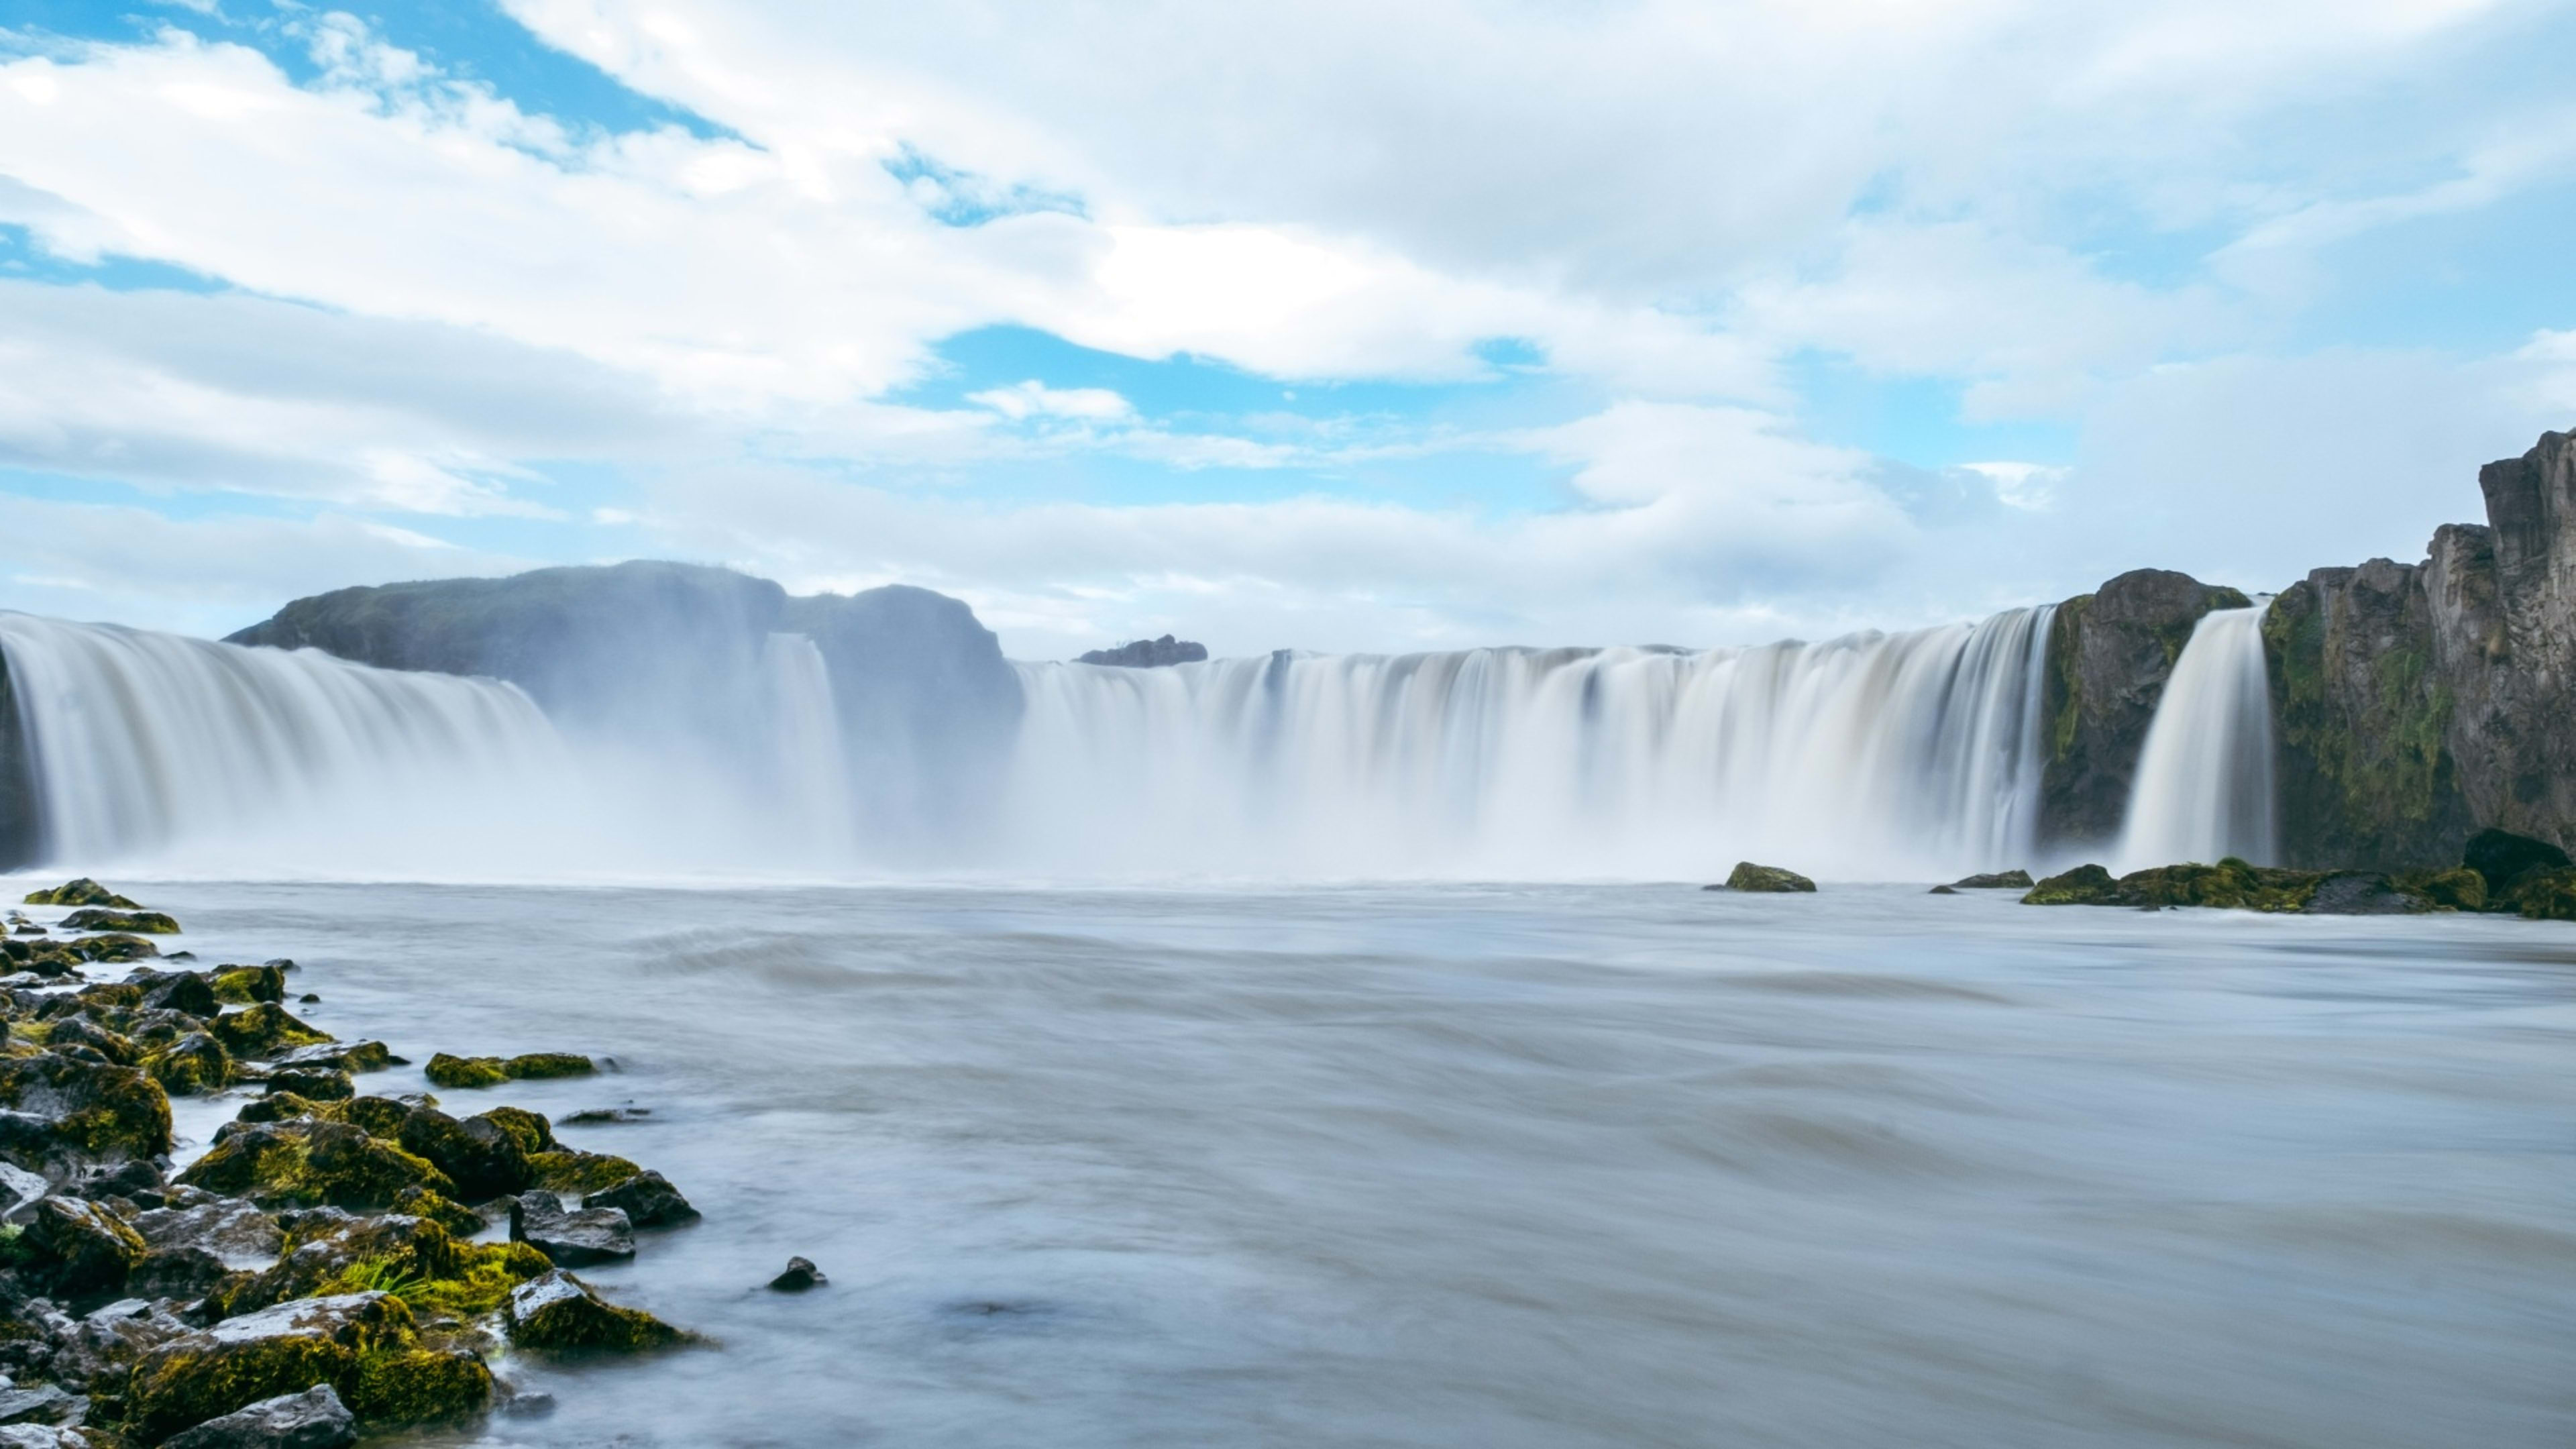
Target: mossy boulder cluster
332 1266
1764 879
2503 873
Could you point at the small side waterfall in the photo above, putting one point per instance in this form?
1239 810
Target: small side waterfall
811 763
2204 785
140 739
1894 755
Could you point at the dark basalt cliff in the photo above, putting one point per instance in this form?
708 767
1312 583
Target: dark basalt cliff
677 652
2109 654
2417 703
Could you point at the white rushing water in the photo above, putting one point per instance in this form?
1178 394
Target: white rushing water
1874 754
811 765
2204 784
142 740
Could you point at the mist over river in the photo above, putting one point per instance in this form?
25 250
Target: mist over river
1518 1165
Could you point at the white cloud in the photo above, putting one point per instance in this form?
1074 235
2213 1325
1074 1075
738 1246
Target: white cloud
1034 399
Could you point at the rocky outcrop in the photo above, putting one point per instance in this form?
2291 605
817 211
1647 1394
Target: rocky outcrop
679 652
1148 654
2416 703
2109 655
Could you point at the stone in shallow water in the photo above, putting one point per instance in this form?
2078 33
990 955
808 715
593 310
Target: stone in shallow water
801 1274
571 1239
1765 878
558 1310
313 1419
647 1199
1999 880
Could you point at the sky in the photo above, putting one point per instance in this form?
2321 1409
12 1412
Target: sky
1326 325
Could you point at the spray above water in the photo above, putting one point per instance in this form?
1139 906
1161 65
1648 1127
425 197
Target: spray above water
2204 784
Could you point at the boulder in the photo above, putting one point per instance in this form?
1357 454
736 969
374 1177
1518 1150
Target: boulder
313 1419
571 1239
340 1056
1769 879
307 1163
78 1249
265 1030
313 1084
457 1074
801 1275
81 892
538 1066
93 1110
42 1404
531 1131
148 923
2018 880
235 1233
482 1158
579 1174
248 985
647 1199
361 1344
2548 895
559 1311
2234 884
183 991
2501 858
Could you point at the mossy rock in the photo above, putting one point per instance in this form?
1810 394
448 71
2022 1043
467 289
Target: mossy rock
280 1107
559 1311
379 1116
314 1084
284 1349
2000 880
2231 884
112 950
308 1162
1767 879
459 1074
483 1158
248 985
578 1173
78 1249
146 923
192 1066
533 1132
2458 889
81 892
541 1066
420 1386
458 1219
84 1031
264 1030
2085 885
98 1109
2546 895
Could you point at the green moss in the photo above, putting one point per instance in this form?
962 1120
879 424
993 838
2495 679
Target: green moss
419 1386
377 1116
307 1163
2085 885
195 1378
191 1066
81 892
112 1111
148 923
2547 896
2458 889
245 985
113 949
465 1073
579 1172
455 1217
563 1313
2066 688
464 1281
1769 879
539 1066
532 1132
280 1107
264 1030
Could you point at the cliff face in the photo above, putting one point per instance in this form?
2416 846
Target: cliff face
675 653
2109 655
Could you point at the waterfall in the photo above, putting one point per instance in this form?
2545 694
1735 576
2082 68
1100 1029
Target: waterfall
1890 755
811 763
137 740
2204 782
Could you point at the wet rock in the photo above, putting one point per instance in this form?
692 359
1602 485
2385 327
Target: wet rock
529 1129
307 1163
313 1419
280 1350
483 1159
81 892
191 1066
1766 878
608 1116
579 1174
647 1199
377 1116
20 1191
2545 895
571 1239
1942 891
801 1274
528 1404
235 1234
149 923
185 991
341 1056
249 985
559 1311
113 949
2233 884
264 1030
44 1436
96 1110
313 1084
539 1066
2361 893
73 1031
458 1074
1999 880
2085 885
77 1249
2456 890
179 1273
42 1404
458 1219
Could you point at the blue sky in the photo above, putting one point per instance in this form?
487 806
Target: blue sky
1320 326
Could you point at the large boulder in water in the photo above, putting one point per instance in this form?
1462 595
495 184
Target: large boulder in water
1769 879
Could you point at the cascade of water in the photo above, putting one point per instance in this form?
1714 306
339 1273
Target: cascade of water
1874 754
137 739
2204 784
812 765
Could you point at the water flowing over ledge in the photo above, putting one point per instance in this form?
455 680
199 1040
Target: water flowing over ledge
1874 754
2204 789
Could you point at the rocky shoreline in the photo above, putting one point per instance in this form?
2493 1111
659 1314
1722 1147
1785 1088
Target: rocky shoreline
336 1263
